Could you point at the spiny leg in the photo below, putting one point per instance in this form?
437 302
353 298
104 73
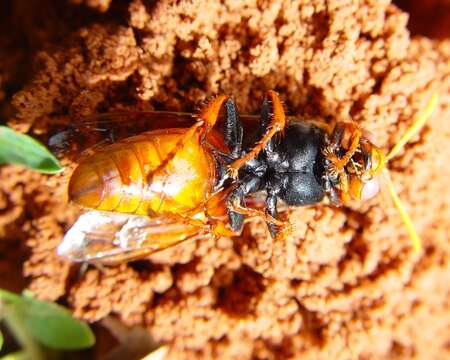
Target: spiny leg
339 162
232 135
235 206
187 220
233 129
277 232
236 198
241 209
271 208
210 113
236 219
265 118
277 124
284 226
329 186
211 224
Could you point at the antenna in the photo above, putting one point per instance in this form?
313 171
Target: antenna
418 123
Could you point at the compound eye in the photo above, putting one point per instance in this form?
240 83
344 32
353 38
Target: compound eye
378 160
370 189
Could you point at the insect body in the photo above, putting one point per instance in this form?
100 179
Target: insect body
162 187
132 177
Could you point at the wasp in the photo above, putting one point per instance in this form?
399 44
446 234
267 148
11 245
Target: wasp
162 187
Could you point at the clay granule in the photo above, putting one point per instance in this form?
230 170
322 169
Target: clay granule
345 285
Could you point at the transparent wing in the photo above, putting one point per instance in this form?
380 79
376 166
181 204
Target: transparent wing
111 238
102 129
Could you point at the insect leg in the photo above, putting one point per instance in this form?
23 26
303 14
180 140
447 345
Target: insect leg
264 123
337 163
330 190
242 209
271 208
236 218
233 129
277 124
236 198
235 206
206 120
210 113
187 220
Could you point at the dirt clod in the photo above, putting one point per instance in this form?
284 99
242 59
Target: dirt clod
346 284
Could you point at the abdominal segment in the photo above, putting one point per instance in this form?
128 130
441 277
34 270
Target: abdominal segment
133 176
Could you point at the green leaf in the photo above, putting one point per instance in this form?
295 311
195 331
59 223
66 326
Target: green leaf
18 355
55 327
51 324
1 340
16 148
28 294
10 298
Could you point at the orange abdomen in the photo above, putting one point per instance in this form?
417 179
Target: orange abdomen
122 178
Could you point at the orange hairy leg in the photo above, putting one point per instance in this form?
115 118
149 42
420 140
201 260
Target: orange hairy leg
339 162
278 123
188 220
285 226
206 120
237 207
213 213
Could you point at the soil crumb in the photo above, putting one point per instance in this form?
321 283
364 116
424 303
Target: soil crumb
346 284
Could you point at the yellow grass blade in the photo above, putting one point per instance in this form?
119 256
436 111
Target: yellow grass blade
416 241
418 122
158 354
